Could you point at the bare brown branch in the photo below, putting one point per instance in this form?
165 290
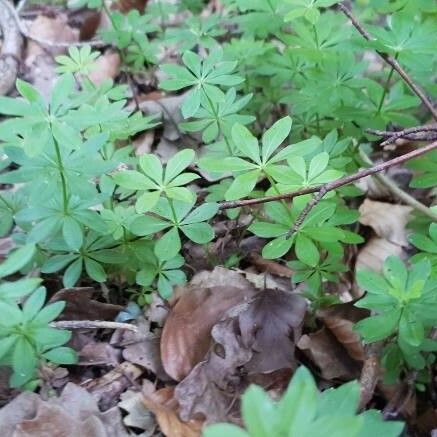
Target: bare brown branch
334 184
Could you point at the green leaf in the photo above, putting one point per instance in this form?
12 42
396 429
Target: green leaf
23 362
200 233
246 142
6 345
169 245
17 260
95 270
152 167
49 313
306 250
72 233
378 327
277 248
147 201
224 429
317 165
274 137
202 213
72 274
61 355
34 303
147 225
133 180
258 412
242 185
178 163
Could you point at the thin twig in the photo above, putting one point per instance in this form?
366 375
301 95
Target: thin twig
92 324
411 133
399 192
391 61
334 184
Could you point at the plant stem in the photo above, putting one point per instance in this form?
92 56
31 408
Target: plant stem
62 174
386 85
323 189
215 112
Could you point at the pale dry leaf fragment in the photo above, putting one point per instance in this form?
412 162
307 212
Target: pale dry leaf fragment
340 320
74 414
138 416
386 219
329 356
165 408
54 30
105 67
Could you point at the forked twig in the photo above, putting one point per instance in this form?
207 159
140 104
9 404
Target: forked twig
417 133
321 190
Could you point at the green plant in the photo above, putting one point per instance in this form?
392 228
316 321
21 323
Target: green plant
303 410
405 304
26 337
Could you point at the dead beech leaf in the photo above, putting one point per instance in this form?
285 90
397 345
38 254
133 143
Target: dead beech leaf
53 30
386 219
141 347
271 326
106 67
211 388
196 308
73 414
329 355
340 320
81 306
256 337
164 406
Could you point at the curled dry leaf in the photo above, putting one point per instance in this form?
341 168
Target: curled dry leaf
80 305
196 308
74 413
257 337
165 408
387 220
340 319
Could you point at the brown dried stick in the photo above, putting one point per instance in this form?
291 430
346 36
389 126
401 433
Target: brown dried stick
321 190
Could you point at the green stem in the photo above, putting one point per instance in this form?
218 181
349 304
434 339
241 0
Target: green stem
228 146
386 85
62 174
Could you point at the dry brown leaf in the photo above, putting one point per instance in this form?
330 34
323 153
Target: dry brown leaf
73 414
328 354
211 388
271 326
54 30
141 347
257 337
340 319
105 67
386 219
81 306
164 406
196 308
127 5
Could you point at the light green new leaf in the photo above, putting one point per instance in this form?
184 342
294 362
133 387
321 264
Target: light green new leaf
274 137
246 142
